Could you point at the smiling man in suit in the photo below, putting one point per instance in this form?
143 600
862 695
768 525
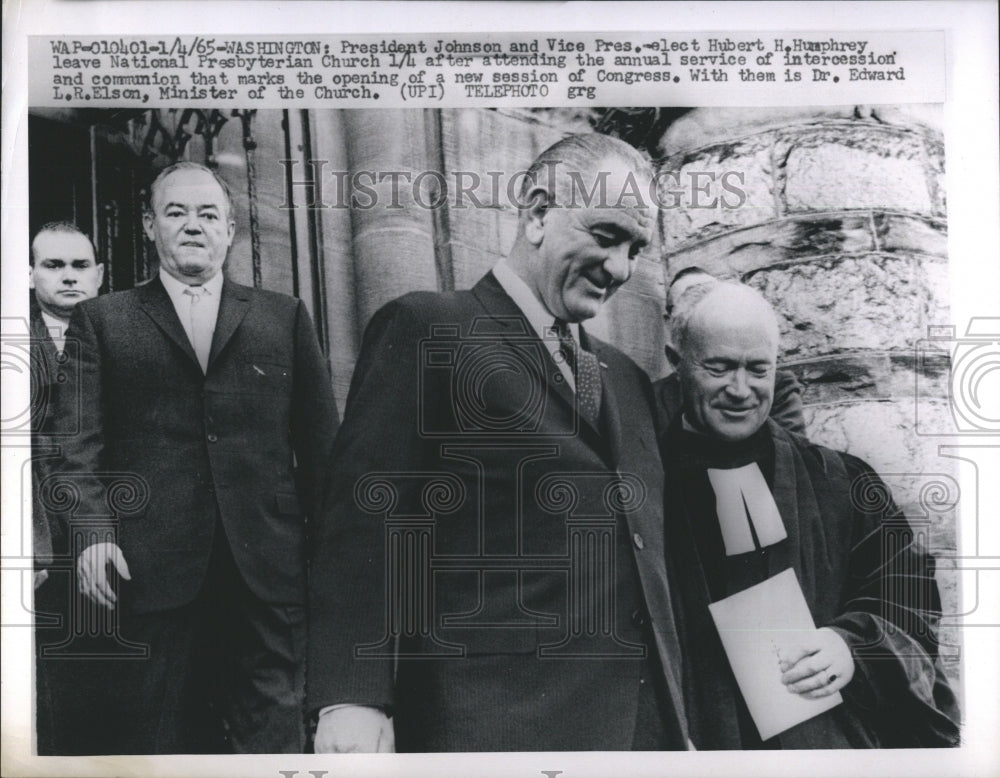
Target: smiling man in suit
212 401
490 571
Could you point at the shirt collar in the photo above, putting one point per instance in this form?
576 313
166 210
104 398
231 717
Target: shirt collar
175 288
540 318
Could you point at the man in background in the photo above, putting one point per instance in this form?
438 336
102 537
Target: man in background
63 272
207 419
787 407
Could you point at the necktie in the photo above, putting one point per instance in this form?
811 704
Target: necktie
587 374
199 329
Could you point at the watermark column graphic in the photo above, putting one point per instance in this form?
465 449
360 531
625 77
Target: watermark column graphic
593 560
902 539
409 543
84 630
23 413
94 630
970 364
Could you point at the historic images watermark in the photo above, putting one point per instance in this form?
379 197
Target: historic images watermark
323 188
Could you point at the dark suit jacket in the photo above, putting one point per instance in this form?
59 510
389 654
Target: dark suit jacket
461 459
48 371
185 447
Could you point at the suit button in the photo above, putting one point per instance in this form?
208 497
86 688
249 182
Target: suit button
639 542
212 437
638 618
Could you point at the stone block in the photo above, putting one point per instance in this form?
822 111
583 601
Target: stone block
909 234
716 189
739 253
831 305
847 166
710 126
869 376
883 434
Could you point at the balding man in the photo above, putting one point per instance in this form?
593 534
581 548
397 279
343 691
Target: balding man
787 406
490 574
751 502
210 405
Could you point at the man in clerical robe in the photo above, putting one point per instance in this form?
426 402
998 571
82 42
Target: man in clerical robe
748 503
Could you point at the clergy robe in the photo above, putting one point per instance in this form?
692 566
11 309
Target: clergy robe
864 574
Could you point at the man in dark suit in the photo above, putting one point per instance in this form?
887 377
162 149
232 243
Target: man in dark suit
490 569
64 271
787 407
206 417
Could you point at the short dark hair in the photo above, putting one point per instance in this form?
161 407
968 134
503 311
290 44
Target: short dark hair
187 165
65 228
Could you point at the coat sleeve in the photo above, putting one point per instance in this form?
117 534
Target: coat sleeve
81 485
314 413
890 619
347 581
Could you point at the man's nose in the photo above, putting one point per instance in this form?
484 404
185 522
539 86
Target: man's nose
192 223
738 386
617 263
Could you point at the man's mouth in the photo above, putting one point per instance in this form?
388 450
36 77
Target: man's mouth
598 285
738 413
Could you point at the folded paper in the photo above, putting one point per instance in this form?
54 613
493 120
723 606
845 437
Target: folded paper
755 625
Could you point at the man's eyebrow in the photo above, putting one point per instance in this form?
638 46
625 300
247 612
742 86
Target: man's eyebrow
620 231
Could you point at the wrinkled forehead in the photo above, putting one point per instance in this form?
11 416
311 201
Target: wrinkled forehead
61 245
637 221
624 197
195 188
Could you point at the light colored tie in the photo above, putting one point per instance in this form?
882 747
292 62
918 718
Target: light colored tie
200 329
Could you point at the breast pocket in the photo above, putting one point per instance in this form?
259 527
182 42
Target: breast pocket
266 374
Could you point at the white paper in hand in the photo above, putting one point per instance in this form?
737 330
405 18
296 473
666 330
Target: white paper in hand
755 625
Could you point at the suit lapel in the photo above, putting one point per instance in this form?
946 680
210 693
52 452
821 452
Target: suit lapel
233 306
156 303
39 332
512 325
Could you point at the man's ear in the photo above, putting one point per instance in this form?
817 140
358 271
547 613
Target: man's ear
535 213
100 274
147 224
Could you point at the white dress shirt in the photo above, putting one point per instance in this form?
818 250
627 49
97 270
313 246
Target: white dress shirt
57 330
538 316
210 296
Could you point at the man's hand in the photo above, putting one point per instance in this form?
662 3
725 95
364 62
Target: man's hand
92 572
355 729
818 665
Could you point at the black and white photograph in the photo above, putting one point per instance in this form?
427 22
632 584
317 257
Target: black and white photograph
565 397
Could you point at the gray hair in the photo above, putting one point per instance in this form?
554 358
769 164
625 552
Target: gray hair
578 153
187 165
